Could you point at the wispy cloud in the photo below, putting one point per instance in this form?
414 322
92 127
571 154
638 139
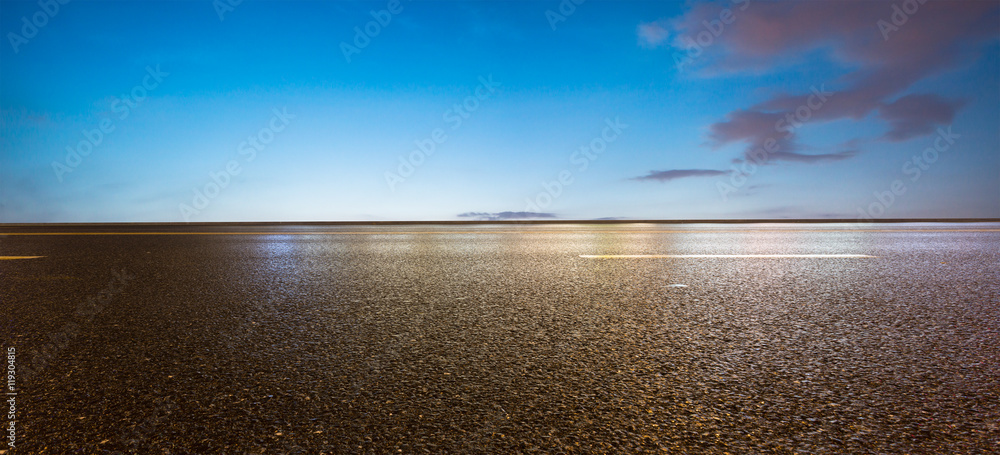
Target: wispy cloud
653 34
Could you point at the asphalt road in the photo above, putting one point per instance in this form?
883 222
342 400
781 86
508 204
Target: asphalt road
504 339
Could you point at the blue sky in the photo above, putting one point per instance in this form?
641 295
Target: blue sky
542 109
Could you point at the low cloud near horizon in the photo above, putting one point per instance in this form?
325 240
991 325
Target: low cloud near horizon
499 216
666 176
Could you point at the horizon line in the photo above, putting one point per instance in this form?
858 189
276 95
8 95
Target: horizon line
501 222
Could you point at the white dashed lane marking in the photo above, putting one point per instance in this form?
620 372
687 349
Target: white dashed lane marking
685 256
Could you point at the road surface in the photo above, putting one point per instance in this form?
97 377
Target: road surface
504 338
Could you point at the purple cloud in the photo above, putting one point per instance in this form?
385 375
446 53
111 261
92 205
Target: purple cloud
666 176
884 49
811 158
917 115
770 137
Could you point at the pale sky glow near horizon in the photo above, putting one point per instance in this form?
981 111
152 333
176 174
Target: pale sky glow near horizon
128 111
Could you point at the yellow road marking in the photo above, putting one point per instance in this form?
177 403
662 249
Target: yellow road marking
4 258
742 231
629 256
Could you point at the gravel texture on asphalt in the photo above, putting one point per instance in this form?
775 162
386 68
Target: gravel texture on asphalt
502 339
